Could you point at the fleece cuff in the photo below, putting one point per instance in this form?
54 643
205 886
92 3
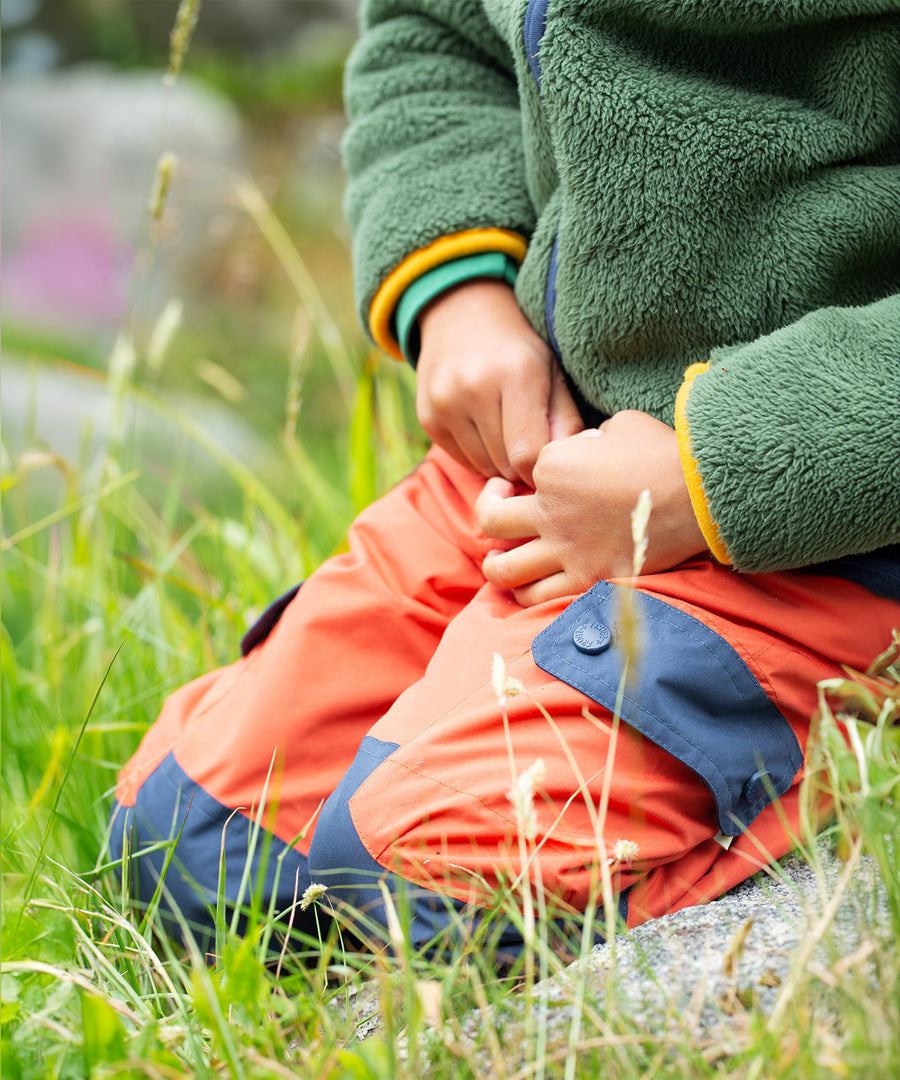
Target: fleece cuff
492 264
382 313
692 471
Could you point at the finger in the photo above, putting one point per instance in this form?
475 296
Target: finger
497 488
479 439
563 416
554 587
526 430
495 448
464 446
447 443
453 430
474 442
503 515
487 439
481 444
522 565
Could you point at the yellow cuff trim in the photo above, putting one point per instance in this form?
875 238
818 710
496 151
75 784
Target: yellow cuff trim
692 472
445 248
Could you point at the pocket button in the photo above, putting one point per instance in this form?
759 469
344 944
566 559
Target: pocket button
756 787
592 638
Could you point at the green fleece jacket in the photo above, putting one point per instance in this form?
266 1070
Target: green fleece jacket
709 187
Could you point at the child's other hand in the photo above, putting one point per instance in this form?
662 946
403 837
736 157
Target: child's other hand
576 527
489 390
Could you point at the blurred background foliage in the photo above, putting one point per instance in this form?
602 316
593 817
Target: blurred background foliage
189 404
217 325
248 49
191 414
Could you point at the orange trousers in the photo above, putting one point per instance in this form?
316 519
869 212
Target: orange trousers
367 721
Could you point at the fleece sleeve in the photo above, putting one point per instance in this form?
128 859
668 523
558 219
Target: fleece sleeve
791 443
434 145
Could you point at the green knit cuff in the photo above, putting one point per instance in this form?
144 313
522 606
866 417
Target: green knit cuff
490 264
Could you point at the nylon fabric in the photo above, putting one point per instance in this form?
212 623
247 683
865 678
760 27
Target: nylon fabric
359 632
207 836
394 640
719 722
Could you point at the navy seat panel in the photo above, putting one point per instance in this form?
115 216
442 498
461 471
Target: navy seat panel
691 694
878 571
170 804
267 622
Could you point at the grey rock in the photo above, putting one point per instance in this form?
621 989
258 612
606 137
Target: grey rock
693 974
73 413
698 958
81 150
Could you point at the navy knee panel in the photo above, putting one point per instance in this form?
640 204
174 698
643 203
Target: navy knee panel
173 809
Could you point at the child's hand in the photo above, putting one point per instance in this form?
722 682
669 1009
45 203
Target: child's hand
488 390
580 514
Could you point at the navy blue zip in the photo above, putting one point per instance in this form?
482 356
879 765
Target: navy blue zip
533 31
535 25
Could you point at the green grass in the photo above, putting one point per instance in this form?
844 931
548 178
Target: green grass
128 586
121 581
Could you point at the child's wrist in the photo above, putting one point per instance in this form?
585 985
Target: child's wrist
444 283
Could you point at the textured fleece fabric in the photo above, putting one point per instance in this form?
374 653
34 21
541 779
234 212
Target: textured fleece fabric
721 181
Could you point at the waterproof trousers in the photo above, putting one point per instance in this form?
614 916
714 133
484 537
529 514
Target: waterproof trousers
652 730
